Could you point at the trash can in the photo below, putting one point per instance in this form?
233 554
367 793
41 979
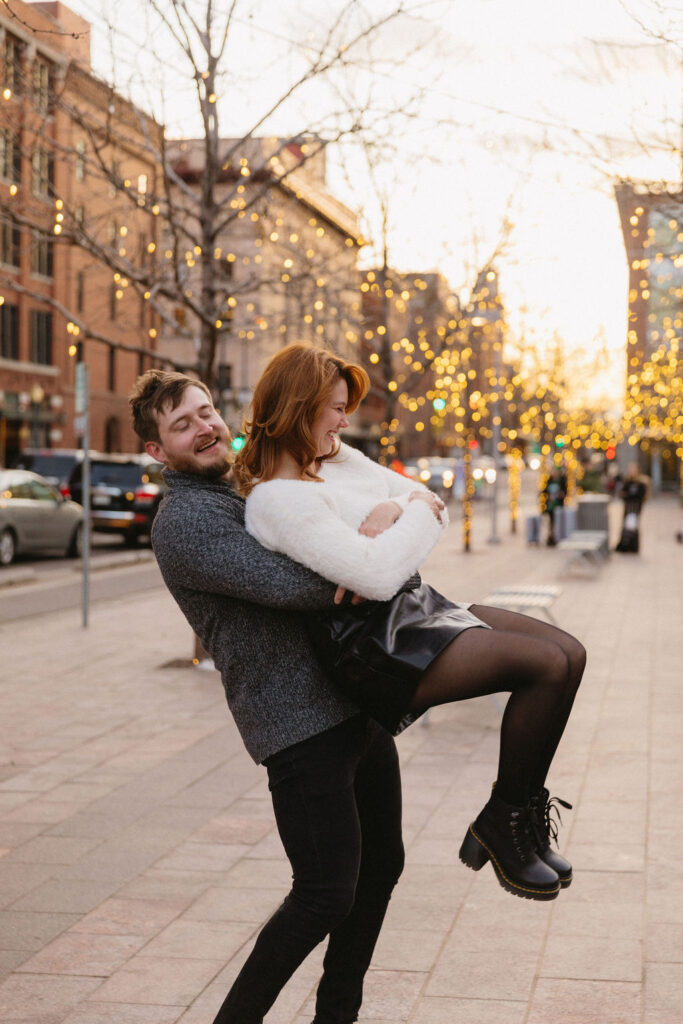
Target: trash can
533 529
564 521
591 512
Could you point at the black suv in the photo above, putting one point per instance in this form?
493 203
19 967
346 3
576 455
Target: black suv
125 491
54 464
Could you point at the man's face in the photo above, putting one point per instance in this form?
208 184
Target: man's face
192 437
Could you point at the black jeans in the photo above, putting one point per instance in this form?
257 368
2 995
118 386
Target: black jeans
337 802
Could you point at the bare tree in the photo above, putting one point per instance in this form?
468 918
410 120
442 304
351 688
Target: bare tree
187 205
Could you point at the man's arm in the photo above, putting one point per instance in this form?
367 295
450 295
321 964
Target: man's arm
206 549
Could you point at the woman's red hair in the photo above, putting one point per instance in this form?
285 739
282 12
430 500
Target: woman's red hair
288 398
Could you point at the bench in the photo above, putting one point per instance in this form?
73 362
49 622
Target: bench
518 598
585 547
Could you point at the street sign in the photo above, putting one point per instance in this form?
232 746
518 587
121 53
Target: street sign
81 396
81 424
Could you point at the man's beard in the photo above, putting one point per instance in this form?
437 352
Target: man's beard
207 471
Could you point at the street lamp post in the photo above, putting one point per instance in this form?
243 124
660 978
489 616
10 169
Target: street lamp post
37 396
494 538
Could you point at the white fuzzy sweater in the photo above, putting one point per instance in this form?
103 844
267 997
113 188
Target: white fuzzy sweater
317 524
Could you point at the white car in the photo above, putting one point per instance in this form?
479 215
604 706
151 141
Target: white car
35 517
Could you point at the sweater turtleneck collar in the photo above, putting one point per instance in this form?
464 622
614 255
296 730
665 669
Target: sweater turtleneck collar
177 479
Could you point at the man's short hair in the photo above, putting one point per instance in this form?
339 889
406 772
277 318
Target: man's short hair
153 390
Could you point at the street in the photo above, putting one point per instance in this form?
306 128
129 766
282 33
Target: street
40 584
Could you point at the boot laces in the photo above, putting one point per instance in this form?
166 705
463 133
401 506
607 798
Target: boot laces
523 833
546 819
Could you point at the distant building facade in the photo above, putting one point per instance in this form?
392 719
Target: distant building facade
62 131
652 227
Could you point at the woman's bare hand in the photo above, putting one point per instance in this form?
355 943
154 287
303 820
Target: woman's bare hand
436 504
381 518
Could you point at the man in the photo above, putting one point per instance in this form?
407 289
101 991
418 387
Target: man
333 773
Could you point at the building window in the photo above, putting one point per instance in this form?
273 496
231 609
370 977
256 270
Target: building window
41 254
43 168
13 50
42 85
113 288
41 337
10 239
80 291
111 374
80 161
9 331
10 156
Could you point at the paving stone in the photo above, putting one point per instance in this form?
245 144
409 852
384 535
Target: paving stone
42 998
469 1011
84 955
586 1002
155 980
58 896
29 930
602 958
220 903
663 993
118 1013
204 939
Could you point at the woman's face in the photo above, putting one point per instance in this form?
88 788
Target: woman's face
331 419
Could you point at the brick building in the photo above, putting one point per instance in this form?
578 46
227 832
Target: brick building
74 176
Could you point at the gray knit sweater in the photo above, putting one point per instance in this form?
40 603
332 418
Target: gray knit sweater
245 603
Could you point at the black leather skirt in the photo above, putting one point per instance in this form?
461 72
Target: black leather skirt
376 652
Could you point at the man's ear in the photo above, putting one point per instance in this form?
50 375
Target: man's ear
156 451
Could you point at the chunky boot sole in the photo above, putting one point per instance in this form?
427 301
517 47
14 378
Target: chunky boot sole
475 853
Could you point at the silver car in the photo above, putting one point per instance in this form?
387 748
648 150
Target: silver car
35 517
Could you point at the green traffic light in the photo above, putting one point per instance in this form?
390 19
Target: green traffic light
439 404
238 442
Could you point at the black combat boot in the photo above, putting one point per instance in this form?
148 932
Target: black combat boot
541 807
504 834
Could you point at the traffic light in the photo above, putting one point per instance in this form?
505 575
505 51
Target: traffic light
238 442
439 404
559 442
611 452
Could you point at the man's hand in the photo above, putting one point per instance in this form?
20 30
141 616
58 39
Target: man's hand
380 518
436 504
339 596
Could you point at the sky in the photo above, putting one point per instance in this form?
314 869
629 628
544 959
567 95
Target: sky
523 112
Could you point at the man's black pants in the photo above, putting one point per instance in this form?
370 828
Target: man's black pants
337 802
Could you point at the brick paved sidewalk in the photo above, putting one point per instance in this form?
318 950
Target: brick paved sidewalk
138 856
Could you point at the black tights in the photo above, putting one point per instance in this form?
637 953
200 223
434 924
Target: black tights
541 667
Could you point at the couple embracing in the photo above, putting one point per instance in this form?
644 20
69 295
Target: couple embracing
297 567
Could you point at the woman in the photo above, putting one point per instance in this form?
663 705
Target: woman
407 649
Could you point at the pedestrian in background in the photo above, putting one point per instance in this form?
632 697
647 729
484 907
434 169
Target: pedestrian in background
634 491
554 492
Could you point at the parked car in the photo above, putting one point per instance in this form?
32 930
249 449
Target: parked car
440 474
125 491
54 464
35 517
